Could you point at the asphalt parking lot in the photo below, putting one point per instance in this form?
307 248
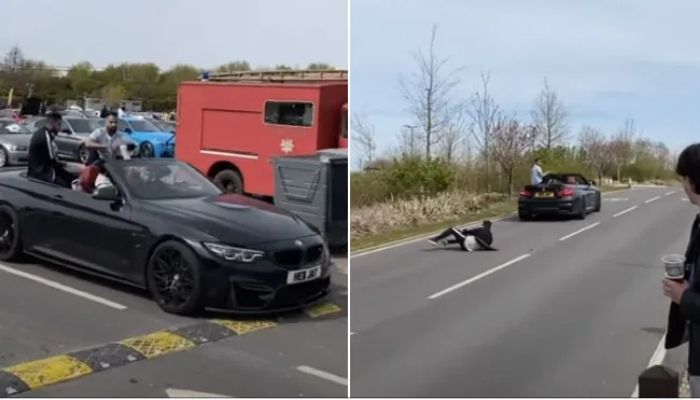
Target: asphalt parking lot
65 334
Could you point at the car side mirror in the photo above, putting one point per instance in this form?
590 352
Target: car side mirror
128 130
106 192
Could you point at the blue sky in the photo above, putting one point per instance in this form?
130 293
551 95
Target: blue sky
606 59
168 32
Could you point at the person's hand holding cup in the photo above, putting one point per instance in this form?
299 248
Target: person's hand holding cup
674 266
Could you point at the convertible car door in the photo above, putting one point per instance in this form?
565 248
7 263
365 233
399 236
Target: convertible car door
99 234
41 221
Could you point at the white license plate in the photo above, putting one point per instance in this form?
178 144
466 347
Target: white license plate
303 275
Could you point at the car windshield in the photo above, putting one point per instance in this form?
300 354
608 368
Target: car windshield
143 126
84 125
157 180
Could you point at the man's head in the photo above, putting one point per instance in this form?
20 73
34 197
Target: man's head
487 224
688 168
537 161
53 122
111 123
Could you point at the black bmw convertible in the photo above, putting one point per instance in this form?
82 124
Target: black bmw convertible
165 227
567 194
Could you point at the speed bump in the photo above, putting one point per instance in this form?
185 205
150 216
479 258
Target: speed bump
158 343
322 309
50 370
34 374
243 327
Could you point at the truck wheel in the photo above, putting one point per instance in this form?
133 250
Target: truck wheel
229 181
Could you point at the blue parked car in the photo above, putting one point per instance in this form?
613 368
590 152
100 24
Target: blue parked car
153 142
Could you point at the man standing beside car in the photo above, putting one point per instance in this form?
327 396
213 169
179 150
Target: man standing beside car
105 138
42 160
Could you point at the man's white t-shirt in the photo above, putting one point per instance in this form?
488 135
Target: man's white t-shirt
536 176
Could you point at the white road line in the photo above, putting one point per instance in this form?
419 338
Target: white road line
62 287
656 359
623 212
323 374
476 278
652 199
561 239
669 193
172 392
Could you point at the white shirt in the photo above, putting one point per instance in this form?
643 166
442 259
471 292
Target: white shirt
536 175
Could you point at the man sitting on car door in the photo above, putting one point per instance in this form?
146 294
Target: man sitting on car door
105 139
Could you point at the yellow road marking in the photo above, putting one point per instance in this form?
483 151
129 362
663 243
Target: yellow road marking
243 327
158 343
322 309
49 370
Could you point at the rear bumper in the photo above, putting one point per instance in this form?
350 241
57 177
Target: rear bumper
549 206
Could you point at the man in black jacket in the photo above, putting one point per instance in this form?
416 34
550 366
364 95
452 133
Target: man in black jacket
469 239
42 160
684 313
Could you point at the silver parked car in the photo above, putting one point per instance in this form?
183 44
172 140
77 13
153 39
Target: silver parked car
14 144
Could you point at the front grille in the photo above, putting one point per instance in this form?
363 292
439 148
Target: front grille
298 257
288 258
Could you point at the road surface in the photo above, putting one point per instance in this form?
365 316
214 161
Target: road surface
49 312
563 309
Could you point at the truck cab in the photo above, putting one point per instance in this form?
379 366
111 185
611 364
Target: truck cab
232 126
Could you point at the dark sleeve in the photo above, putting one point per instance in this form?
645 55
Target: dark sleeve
38 146
690 305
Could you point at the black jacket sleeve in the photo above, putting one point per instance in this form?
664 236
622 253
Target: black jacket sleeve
690 306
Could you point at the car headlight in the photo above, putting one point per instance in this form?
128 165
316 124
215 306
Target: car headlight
11 147
231 253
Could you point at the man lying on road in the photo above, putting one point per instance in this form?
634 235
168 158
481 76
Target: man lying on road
468 239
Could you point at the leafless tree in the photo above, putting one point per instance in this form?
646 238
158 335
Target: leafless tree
549 116
455 134
622 148
364 138
597 150
509 146
428 94
484 114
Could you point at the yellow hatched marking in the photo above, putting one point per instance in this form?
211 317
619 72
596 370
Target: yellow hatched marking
158 343
49 370
322 309
243 327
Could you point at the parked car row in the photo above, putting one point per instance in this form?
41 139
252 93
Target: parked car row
156 139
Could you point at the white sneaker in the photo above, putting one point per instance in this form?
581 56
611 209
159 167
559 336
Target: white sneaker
443 242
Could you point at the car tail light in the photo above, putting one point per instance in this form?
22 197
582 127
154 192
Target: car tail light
566 192
525 193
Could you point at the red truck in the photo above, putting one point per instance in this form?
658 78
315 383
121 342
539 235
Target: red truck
232 125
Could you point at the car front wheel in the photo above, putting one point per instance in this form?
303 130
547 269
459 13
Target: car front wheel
175 278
